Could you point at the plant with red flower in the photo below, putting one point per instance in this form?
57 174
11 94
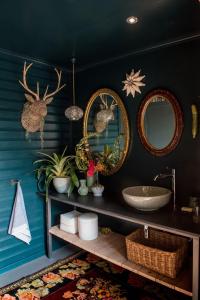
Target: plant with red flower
91 168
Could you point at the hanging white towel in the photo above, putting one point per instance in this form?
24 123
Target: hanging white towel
19 226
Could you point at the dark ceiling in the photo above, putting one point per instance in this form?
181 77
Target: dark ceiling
93 30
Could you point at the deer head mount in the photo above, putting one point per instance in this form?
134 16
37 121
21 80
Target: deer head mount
35 109
105 115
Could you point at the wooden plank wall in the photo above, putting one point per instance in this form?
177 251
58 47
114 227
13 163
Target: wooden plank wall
17 154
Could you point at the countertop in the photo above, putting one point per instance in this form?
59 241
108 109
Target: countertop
177 222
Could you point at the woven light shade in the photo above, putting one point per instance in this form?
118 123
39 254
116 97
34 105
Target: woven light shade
74 113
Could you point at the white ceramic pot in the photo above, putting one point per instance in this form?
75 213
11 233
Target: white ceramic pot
97 190
61 184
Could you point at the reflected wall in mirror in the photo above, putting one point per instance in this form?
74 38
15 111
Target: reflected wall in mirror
160 122
106 116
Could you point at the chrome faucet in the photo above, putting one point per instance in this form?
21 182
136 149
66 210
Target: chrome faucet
172 174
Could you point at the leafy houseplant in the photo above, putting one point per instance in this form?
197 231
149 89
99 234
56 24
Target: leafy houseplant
94 162
54 167
83 153
109 157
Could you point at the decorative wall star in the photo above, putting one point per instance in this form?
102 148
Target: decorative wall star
133 83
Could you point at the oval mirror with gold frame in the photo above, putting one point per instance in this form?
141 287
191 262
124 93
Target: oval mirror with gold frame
106 117
160 122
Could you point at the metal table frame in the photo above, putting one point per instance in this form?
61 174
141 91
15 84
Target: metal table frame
193 236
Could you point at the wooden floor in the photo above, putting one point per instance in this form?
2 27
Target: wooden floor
112 247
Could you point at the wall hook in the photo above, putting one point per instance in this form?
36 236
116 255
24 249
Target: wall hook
14 181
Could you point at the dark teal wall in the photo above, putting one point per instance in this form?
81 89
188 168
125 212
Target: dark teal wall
17 155
175 68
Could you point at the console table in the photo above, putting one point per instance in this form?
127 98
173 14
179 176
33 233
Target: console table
112 247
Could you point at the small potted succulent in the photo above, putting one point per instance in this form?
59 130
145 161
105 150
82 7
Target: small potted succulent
57 168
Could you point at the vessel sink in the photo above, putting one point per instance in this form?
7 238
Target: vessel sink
146 198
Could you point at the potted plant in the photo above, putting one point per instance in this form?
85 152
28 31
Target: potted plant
57 168
86 162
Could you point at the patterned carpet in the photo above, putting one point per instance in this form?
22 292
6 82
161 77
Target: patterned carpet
85 276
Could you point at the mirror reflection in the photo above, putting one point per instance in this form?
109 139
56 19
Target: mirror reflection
160 122
106 117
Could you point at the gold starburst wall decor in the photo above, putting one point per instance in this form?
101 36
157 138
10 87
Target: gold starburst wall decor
133 83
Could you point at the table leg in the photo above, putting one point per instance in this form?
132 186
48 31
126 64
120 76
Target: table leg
195 269
48 226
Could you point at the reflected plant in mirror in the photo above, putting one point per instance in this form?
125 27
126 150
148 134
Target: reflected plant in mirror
93 162
111 155
106 119
160 122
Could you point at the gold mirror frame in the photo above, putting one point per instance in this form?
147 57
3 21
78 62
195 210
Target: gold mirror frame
124 117
178 122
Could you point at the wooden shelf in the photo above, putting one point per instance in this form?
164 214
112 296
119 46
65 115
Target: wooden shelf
112 247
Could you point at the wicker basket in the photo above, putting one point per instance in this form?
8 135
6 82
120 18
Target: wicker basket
161 252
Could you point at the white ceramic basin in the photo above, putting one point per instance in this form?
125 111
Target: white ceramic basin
146 198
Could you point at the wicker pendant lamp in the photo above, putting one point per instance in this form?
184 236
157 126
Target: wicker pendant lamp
74 113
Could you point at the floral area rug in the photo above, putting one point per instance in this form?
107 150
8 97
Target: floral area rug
86 277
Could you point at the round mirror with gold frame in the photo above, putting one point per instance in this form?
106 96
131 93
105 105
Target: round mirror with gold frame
106 117
160 122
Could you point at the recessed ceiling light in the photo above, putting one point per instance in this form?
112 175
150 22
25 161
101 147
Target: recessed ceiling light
132 20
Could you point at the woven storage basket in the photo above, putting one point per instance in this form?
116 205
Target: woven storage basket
161 252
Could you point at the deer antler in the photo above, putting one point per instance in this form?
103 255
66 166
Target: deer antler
104 101
58 86
113 104
25 85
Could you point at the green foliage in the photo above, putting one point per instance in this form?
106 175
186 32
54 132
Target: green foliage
83 153
55 165
110 156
